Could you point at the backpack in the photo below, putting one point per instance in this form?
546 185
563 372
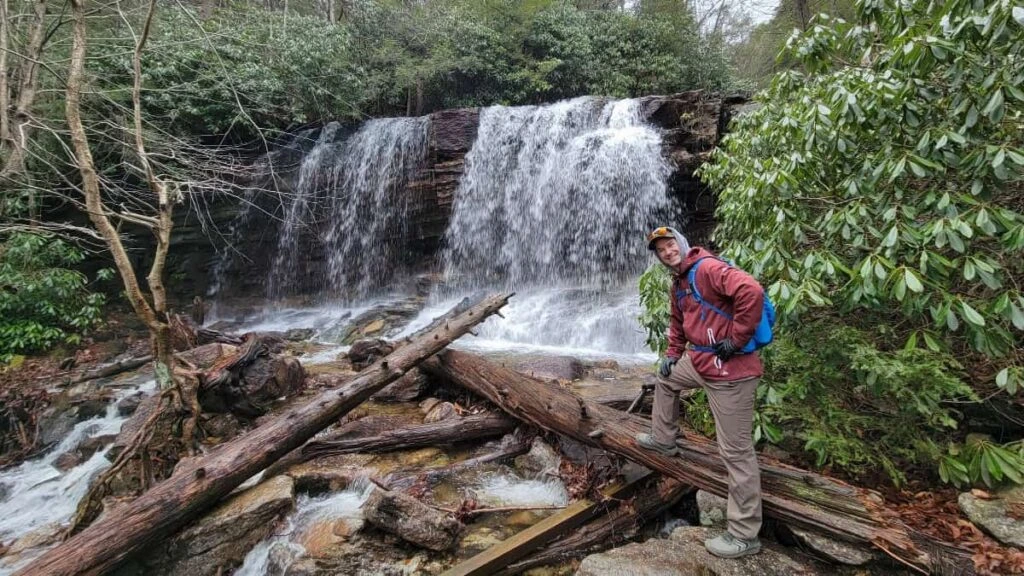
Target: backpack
763 334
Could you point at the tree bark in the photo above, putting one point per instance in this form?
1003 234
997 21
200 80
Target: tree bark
611 529
28 75
790 494
473 427
5 93
201 482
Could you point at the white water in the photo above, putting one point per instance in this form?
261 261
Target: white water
557 194
497 490
38 495
345 505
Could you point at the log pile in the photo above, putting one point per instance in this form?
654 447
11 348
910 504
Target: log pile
512 402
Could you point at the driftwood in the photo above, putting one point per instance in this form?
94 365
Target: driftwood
473 427
201 482
792 495
611 529
512 445
112 369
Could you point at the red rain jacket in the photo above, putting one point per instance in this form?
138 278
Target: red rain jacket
733 291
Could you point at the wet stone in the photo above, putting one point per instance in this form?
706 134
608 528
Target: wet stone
411 520
129 405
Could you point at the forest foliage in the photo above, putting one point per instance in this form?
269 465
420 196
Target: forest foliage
876 192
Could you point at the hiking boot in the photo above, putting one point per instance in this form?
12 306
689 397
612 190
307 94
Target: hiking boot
647 442
729 546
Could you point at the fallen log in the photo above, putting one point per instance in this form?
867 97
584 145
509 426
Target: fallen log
512 445
611 529
473 427
112 369
790 494
201 482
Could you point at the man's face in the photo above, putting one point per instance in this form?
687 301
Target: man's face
668 251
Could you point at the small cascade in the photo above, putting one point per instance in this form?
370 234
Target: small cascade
301 207
368 205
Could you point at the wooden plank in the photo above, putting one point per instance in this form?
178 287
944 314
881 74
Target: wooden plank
498 556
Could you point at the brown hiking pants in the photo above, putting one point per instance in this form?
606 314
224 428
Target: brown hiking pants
732 404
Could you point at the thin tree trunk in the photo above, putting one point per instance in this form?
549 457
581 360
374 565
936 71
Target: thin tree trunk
202 481
790 494
331 15
28 73
5 94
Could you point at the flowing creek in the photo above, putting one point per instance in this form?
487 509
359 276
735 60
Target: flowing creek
553 204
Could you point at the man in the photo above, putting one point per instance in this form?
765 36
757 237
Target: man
704 351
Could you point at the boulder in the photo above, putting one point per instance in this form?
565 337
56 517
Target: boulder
54 424
128 405
683 554
712 509
329 473
1001 514
367 351
219 541
540 460
299 334
411 520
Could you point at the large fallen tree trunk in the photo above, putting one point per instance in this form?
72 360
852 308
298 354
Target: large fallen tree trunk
790 494
201 482
473 427
616 526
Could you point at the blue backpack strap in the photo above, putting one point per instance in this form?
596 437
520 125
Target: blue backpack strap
705 305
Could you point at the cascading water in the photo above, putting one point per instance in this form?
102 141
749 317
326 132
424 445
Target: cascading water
352 191
370 209
554 203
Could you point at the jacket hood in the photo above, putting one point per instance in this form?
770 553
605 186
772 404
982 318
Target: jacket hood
691 257
684 249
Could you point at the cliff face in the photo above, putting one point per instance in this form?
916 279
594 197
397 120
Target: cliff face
692 124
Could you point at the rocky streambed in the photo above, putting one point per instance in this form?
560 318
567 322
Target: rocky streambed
408 511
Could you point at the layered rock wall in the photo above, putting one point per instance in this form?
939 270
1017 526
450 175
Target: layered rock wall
692 123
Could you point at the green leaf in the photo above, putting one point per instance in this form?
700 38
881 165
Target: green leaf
912 281
1002 377
971 315
1016 316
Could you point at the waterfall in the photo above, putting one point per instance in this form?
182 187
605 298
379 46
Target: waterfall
557 194
369 206
554 203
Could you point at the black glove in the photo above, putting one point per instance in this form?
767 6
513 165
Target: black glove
665 368
725 349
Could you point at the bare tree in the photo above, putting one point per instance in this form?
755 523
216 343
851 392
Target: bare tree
28 77
5 127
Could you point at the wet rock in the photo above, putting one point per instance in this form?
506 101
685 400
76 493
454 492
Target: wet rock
712 509
440 411
479 538
299 334
1001 515
683 554
248 392
220 540
411 520
42 536
95 407
133 425
329 473
540 460
128 405
54 424
406 389
565 368
322 538
5 490
366 352
830 549
67 461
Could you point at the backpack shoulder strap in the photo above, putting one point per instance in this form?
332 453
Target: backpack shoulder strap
692 278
